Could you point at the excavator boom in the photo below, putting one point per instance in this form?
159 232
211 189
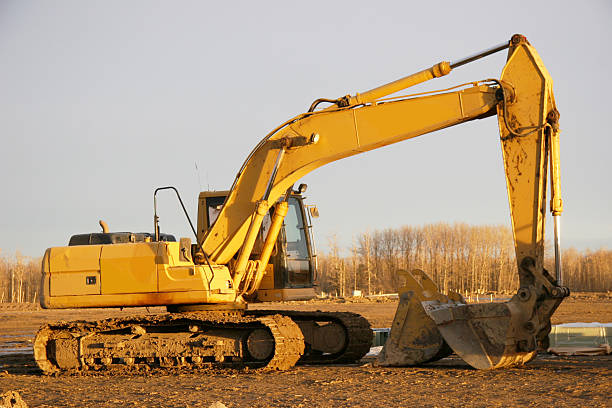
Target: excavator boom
318 138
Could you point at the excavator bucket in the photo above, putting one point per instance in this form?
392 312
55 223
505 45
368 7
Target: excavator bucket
429 325
481 334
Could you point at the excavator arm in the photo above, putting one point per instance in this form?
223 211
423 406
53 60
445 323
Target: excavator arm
486 336
499 334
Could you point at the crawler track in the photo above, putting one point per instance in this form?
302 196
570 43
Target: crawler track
356 330
272 342
259 339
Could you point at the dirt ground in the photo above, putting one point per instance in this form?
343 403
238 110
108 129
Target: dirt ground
547 381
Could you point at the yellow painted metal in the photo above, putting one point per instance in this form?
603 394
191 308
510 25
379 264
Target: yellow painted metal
177 275
74 272
261 210
123 268
522 126
130 268
75 283
136 299
436 71
267 281
75 259
343 133
280 212
182 278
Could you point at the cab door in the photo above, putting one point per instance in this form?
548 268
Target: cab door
294 263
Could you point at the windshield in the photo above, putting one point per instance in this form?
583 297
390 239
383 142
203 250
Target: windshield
298 259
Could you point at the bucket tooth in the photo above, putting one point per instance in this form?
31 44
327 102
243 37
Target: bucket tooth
414 337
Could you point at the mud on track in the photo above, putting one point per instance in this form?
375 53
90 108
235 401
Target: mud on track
547 381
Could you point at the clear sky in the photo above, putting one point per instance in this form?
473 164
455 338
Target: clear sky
101 102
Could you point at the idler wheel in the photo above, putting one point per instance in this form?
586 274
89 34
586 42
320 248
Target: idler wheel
260 344
329 338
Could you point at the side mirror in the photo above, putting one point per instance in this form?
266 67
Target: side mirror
314 211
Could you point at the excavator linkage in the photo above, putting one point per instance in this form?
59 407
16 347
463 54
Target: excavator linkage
493 335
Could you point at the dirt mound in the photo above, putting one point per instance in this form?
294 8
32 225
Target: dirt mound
12 399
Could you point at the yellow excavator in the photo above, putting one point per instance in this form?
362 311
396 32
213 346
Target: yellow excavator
206 285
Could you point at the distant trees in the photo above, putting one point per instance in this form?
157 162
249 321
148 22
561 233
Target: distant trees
19 279
460 257
588 270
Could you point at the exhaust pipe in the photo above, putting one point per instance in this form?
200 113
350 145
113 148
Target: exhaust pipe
104 226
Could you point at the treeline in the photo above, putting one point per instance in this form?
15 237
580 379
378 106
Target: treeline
459 257
19 279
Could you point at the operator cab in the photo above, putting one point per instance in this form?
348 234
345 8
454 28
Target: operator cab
291 272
